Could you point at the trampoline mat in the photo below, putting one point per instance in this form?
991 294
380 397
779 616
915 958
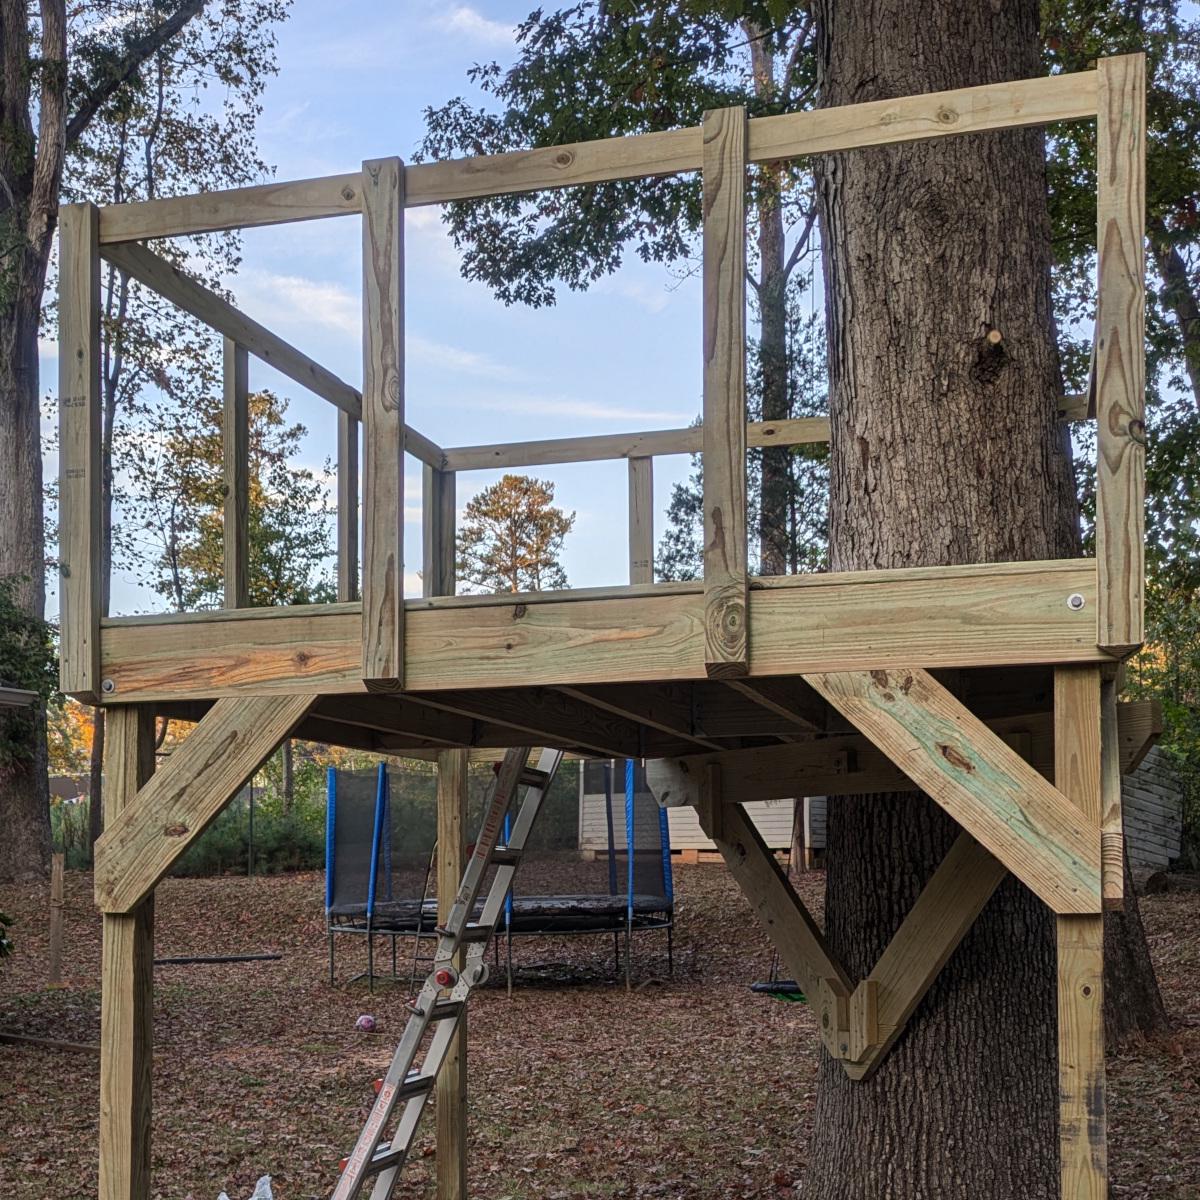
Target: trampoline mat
530 914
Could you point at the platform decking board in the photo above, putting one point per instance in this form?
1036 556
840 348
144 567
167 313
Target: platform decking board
382 584
910 118
939 617
1008 807
1120 363
726 575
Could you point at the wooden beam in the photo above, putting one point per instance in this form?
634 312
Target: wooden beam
126 980
790 699
1112 825
649 444
945 910
1009 614
665 707
347 507
171 811
545 714
383 425
1009 808
726 609
80 547
782 913
791 135
193 297
641 520
235 439
452 1078
1083 1152
438 539
1120 351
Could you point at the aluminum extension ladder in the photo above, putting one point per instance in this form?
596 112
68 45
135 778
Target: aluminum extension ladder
443 998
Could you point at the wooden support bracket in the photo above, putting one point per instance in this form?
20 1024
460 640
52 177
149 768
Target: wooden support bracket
997 797
174 808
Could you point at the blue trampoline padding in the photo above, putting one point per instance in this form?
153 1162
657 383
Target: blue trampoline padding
629 846
664 829
330 816
380 796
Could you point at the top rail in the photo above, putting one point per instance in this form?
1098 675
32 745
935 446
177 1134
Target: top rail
790 135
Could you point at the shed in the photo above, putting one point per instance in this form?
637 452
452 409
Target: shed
1153 800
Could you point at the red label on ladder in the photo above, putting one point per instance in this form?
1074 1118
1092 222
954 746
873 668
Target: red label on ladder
366 1140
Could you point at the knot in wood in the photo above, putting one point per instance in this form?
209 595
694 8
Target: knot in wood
519 610
178 829
946 115
564 158
955 757
347 193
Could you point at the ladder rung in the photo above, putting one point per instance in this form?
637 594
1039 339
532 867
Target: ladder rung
502 856
532 777
415 1085
446 1010
470 932
383 1158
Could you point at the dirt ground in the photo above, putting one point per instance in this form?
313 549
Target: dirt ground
580 1090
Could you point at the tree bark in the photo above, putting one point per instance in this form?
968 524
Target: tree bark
944 449
1180 297
1133 1004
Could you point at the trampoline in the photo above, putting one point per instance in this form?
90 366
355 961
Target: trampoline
380 880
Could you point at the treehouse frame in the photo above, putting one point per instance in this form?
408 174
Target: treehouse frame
749 687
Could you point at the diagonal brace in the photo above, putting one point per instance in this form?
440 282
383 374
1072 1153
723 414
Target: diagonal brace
985 785
179 802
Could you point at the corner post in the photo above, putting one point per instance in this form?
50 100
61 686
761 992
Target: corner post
80 548
1082 1121
383 425
1120 351
452 1079
127 981
235 438
725 570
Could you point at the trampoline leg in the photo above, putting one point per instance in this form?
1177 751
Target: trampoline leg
370 960
331 976
393 956
508 941
671 951
616 955
628 956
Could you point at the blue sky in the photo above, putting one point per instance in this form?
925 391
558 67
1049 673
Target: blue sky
354 78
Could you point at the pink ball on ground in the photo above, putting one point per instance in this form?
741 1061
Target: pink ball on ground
365 1023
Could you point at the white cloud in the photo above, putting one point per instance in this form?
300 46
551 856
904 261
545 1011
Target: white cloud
456 359
653 299
565 406
469 23
294 300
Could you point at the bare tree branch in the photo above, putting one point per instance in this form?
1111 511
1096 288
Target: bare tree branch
136 53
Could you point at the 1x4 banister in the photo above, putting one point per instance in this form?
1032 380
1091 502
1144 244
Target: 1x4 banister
235 453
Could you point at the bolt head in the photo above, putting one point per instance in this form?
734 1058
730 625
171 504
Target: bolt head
1075 601
108 686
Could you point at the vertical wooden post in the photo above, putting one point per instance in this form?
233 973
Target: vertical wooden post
235 429
438 517
127 982
1082 1130
1120 351
1112 822
641 520
79 546
347 507
452 1079
725 573
56 920
383 424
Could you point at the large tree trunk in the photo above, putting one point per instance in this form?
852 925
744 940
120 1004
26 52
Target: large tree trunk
24 800
944 449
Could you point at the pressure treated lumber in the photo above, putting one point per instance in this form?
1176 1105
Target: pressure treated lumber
54 969
600 447
215 311
986 787
665 707
850 765
910 118
347 506
80 548
126 979
438 546
1120 368
383 425
641 520
1083 1152
1006 614
171 811
235 449
1112 827
782 913
726 574
943 913
452 1078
